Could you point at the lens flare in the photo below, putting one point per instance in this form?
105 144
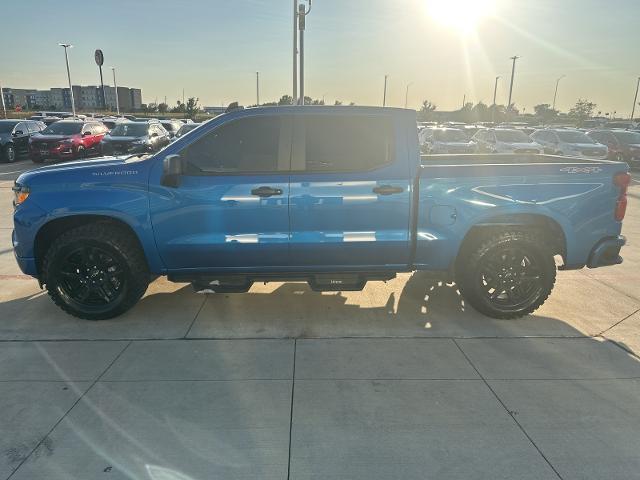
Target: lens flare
461 15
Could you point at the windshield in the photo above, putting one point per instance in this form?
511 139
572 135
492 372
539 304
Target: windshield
450 135
569 136
512 136
62 128
186 129
6 127
627 137
130 130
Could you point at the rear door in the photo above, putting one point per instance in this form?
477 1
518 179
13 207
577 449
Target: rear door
350 192
231 208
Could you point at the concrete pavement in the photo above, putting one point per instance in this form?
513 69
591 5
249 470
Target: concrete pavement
402 380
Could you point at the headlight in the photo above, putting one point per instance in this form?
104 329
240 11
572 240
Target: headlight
21 193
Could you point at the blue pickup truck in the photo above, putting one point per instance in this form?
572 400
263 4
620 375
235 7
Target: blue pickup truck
334 196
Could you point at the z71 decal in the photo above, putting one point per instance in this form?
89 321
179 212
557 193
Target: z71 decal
581 169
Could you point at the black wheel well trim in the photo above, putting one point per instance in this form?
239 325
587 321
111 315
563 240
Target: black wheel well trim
55 227
538 223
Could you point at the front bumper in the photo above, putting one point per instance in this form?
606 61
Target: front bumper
123 149
26 264
58 152
606 252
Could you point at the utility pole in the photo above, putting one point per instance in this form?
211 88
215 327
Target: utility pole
4 108
302 14
635 100
66 58
555 95
258 89
115 85
183 96
406 95
384 95
295 52
513 71
464 100
495 91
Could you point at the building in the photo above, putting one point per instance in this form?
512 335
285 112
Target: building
87 98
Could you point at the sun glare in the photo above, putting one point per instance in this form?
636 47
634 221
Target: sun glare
461 15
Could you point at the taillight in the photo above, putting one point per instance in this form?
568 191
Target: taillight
622 181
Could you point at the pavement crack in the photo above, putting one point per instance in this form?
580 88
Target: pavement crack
45 441
617 323
196 316
511 413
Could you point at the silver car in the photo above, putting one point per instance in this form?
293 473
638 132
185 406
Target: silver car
570 143
505 140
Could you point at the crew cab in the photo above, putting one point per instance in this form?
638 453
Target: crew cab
334 196
67 140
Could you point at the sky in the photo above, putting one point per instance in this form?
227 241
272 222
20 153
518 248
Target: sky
444 49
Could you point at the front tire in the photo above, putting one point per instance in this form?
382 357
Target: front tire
95 271
507 275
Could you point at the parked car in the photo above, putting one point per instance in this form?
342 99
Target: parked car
337 197
186 128
111 122
623 145
67 140
14 137
171 126
134 137
505 140
444 140
570 143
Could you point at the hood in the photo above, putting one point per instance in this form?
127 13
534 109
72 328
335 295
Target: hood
520 145
109 138
75 170
5 136
586 145
50 138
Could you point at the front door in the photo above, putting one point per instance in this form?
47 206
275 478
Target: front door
350 192
230 209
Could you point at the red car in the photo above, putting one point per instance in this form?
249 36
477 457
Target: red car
67 140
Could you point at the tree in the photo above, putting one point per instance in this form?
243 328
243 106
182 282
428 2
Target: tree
545 113
163 107
285 100
582 110
337 103
426 111
192 107
179 108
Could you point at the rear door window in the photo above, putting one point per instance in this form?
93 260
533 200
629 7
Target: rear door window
346 143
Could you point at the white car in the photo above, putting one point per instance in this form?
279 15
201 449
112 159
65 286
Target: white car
570 143
505 140
444 140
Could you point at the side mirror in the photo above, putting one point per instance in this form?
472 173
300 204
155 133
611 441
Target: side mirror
86 134
172 169
18 132
154 134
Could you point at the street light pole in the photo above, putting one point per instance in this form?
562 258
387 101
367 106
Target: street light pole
406 95
384 95
66 58
4 108
258 88
115 84
495 91
295 51
635 100
555 95
513 71
302 14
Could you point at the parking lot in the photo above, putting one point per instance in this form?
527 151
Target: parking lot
401 380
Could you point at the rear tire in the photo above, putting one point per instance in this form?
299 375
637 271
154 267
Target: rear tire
95 272
507 275
10 153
